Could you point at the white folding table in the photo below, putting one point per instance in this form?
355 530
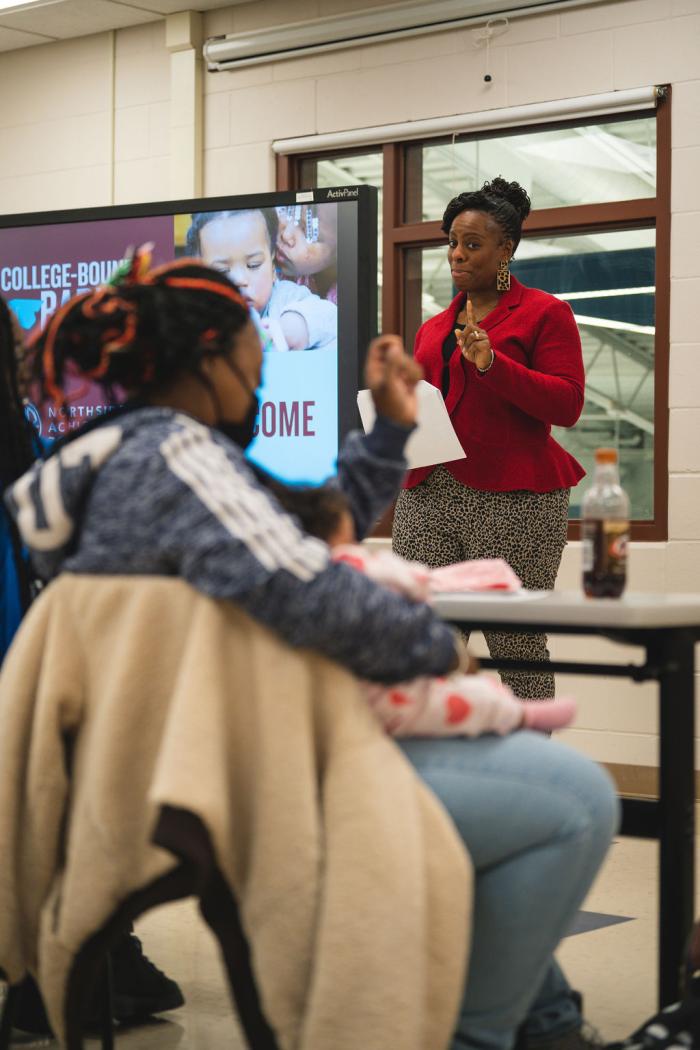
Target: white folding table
666 626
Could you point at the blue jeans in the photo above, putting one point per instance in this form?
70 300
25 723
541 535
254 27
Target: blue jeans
537 819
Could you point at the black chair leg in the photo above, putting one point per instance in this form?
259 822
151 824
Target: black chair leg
6 1018
220 911
106 1000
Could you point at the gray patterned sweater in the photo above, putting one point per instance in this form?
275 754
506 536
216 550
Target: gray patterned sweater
153 491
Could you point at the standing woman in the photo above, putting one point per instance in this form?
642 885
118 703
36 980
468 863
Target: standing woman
508 361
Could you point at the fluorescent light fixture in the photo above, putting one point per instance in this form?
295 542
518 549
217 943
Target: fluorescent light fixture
619 326
11 7
607 293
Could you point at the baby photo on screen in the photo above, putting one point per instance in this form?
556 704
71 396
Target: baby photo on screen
271 258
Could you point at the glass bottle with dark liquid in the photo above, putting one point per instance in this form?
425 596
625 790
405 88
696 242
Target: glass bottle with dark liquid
605 530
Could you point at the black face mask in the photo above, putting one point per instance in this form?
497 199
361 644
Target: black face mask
243 432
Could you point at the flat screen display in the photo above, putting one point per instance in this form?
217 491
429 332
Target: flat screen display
305 262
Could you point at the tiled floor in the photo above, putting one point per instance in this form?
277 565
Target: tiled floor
614 965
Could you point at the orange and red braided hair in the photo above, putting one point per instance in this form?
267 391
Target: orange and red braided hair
141 330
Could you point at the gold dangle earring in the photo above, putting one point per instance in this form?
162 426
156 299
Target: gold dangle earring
503 277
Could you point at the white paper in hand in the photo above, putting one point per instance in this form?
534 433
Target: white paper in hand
434 440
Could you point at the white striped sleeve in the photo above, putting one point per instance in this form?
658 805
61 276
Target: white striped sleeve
245 511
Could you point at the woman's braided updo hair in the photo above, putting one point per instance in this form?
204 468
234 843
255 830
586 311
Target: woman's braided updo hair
141 332
506 202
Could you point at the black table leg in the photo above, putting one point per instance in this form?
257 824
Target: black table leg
675 652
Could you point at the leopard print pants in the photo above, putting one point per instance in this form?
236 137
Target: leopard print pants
442 521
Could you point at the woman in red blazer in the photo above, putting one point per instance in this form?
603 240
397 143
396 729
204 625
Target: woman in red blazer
508 361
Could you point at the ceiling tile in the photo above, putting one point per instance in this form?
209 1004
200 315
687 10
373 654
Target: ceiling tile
71 18
11 39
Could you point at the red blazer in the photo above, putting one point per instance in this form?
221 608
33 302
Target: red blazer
503 418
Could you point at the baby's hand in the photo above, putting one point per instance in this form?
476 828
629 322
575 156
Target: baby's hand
271 335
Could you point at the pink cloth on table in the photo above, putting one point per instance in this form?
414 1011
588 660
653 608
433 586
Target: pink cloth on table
483 574
418 582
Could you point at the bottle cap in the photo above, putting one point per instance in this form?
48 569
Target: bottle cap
606 455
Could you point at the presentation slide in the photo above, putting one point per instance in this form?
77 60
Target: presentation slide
285 260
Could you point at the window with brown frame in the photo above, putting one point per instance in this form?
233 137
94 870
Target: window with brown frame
598 236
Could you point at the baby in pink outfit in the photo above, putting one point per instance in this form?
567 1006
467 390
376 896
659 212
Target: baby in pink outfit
456 705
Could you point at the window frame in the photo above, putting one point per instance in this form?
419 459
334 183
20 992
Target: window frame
398 237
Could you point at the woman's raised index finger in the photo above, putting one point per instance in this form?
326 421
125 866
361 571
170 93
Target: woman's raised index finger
470 312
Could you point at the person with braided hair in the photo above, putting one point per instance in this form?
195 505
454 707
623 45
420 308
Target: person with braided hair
140 988
180 342
162 487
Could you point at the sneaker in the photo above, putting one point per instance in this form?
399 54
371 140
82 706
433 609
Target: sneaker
140 988
28 1013
676 1026
584 1038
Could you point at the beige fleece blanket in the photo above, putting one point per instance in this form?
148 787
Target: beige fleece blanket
353 887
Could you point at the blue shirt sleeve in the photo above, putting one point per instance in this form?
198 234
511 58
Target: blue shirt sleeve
371 468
